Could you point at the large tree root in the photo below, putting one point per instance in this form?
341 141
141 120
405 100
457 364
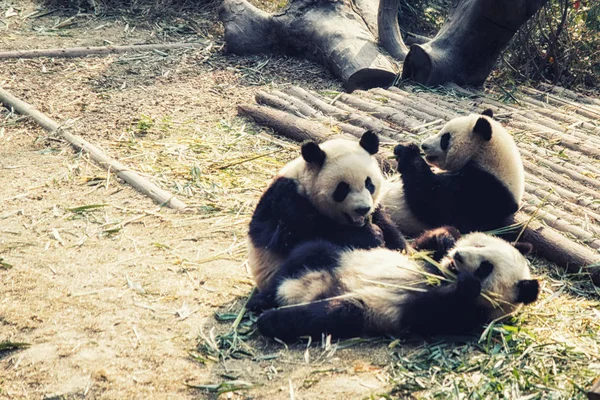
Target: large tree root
330 32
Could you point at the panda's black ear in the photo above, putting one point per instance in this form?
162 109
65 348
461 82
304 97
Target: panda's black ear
312 153
524 247
528 291
483 128
370 142
488 112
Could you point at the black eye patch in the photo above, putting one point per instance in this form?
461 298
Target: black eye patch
484 270
341 191
369 185
445 141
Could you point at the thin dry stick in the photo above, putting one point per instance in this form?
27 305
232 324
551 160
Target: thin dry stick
142 184
85 51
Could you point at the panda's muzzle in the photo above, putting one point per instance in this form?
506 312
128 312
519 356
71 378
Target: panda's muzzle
359 220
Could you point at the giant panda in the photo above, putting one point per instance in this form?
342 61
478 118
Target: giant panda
331 192
324 288
480 185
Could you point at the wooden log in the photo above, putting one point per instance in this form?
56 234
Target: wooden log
290 104
86 51
287 125
140 183
297 128
554 247
350 117
330 32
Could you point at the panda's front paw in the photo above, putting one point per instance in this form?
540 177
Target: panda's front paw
468 287
405 155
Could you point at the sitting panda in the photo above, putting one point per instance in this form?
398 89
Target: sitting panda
324 288
481 183
331 192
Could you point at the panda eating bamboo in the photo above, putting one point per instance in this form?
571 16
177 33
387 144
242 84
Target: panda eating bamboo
331 192
323 288
478 183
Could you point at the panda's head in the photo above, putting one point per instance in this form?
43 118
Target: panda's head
502 268
458 141
341 178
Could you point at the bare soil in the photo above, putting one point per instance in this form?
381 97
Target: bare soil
112 299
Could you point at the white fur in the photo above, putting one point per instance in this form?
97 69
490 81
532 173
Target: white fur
345 161
263 265
510 267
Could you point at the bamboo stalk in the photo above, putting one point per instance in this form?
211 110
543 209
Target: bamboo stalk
141 184
86 51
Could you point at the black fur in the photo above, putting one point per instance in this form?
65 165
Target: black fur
392 237
370 142
529 290
312 154
524 247
447 310
483 128
439 240
283 219
470 199
488 112
338 318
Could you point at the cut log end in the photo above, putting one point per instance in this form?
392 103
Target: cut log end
369 78
417 65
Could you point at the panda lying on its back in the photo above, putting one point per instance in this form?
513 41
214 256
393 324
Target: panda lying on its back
348 293
481 186
331 192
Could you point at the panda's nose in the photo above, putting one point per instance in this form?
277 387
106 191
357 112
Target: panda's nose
425 146
362 210
458 257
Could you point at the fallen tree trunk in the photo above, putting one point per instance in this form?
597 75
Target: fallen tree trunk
330 32
140 183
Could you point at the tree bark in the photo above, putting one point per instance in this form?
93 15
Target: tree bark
468 45
331 32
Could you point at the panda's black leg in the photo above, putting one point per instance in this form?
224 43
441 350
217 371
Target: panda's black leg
438 240
309 256
394 240
338 318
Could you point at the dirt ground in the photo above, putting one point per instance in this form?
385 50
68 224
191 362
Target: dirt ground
112 299
117 297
